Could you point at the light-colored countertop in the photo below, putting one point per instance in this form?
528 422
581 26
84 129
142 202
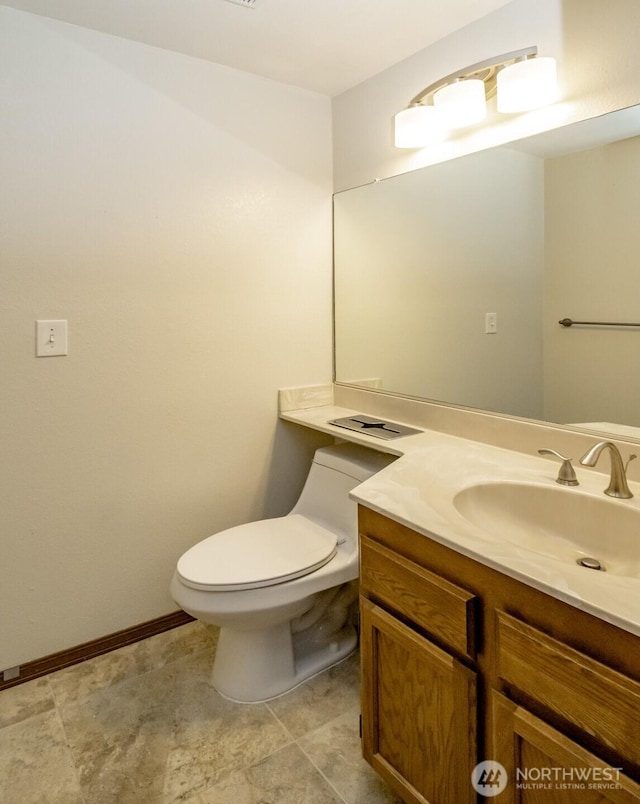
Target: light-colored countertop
417 491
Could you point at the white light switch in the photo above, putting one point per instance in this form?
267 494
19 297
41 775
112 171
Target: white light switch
51 338
490 323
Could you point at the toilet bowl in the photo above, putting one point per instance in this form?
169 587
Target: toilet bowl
281 589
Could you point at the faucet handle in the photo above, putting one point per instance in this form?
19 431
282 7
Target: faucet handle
631 457
566 475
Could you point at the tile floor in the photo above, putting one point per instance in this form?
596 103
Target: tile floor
142 725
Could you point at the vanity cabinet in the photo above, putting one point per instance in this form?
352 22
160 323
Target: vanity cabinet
461 664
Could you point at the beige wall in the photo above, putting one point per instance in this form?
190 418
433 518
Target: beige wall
178 214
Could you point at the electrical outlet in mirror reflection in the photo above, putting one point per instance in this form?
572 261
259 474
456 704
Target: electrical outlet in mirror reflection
491 323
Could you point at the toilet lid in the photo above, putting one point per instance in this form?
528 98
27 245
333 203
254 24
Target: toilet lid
257 554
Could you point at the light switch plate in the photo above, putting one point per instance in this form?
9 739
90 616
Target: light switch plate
491 323
51 338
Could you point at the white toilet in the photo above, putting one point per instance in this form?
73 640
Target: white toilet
281 589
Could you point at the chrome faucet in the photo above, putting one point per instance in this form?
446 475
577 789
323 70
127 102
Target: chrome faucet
618 482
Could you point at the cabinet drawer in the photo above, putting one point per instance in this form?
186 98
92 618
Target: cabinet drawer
598 700
442 609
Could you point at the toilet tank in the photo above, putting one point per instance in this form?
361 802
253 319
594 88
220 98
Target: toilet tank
334 472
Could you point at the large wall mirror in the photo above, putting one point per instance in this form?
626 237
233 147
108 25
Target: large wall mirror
451 280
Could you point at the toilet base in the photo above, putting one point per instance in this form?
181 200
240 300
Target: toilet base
252 665
256 666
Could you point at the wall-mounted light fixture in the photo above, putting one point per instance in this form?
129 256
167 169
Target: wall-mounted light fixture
521 79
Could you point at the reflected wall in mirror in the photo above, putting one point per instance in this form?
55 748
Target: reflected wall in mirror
525 235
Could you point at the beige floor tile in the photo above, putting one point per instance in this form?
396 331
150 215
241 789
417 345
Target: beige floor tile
35 764
285 777
25 700
164 736
80 680
320 699
335 749
142 725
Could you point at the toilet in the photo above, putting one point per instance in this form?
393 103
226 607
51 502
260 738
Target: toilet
281 590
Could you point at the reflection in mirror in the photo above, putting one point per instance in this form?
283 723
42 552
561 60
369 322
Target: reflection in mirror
451 280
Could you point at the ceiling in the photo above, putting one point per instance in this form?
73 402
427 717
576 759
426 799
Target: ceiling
326 46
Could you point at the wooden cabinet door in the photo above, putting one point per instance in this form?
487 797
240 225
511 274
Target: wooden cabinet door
419 712
545 767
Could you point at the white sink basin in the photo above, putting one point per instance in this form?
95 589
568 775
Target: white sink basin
562 523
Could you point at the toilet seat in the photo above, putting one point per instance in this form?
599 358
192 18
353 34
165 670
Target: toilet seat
257 554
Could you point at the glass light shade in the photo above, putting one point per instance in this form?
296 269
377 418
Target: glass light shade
527 84
416 127
462 103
